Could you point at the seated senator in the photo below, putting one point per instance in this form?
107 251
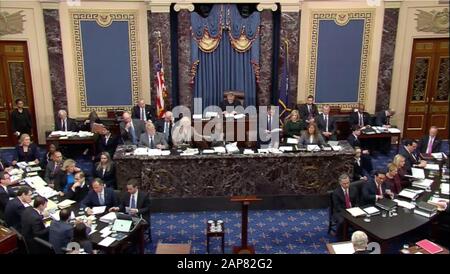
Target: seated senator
65 178
79 189
393 181
99 195
26 151
294 125
151 138
184 134
311 136
343 197
375 189
229 103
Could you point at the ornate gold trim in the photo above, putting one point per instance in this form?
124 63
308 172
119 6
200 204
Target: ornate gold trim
104 18
341 18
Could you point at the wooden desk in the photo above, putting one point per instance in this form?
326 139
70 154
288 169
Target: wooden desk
382 136
8 240
162 248
75 140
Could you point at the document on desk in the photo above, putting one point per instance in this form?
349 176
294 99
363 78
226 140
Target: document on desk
286 148
345 248
248 151
35 182
292 141
371 210
336 148
239 116
98 209
408 193
66 203
208 151
418 173
165 152
438 155
154 152
445 188
432 166
219 149
141 151
232 147
356 211
46 192
107 241
404 204
393 130
312 148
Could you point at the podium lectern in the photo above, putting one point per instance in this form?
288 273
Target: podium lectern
245 201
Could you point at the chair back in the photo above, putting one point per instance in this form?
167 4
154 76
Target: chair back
22 246
44 246
358 186
239 95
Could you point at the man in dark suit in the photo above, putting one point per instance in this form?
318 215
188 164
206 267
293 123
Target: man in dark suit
359 173
309 110
430 143
143 112
353 140
343 197
33 224
107 142
5 192
165 126
230 103
359 117
15 207
375 189
131 129
80 188
4 166
61 232
383 118
327 124
152 139
53 168
64 123
21 119
100 196
135 201
411 160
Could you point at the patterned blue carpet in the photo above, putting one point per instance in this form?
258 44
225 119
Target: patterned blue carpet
270 231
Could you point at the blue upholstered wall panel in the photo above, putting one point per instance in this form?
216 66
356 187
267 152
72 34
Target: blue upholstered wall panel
339 61
106 63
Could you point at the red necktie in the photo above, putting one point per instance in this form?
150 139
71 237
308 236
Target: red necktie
348 204
378 189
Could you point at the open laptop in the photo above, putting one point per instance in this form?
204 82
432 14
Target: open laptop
121 225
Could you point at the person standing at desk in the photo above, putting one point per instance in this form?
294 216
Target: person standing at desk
15 207
353 140
106 170
135 202
64 123
33 224
131 129
143 112
26 151
21 119
61 232
359 117
151 138
53 168
343 197
430 143
359 172
308 111
107 142
311 136
228 105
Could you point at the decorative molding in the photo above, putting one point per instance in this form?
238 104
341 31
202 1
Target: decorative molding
267 6
184 6
432 21
11 23
104 18
341 18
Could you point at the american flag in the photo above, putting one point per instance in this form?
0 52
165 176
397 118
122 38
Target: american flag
160 90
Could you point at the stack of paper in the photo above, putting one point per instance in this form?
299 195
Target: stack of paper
46 192
345 248
312 148
84 134
15 171
393 130
286 148
66 203
107 241
141 151
219 149
165 152
248 151
292 141
208 151
22 165
438 155
404 204
445 189
35 182
263 150
231 148
154 152
423 184
432 166
418 173
371 210
409 193
98 209
109 218
274 150
190 151
336 148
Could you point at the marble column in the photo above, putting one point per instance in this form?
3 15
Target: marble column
387 58
184 58
159 24
290 34
55 58
264 87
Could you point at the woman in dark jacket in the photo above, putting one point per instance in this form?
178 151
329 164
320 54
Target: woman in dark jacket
26 151
106 171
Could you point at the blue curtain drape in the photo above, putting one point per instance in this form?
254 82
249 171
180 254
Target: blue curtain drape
224 67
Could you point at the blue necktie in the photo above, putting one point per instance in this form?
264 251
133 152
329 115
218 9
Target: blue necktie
133 135
133 202
100 199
